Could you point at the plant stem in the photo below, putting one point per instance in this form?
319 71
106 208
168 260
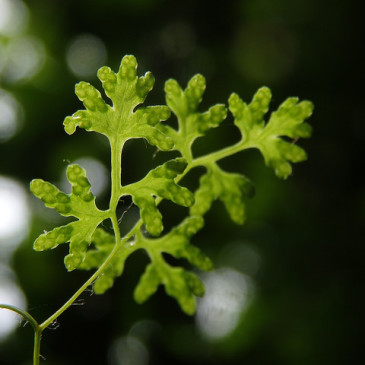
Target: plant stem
116 188
116 173
24 314
116 148
219 155
36 328
37 346
54 316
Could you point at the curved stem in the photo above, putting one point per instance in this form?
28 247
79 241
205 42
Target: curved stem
36 328
87 283
23 313
115 195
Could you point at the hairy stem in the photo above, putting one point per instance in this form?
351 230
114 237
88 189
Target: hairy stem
87 283
29 318
36 328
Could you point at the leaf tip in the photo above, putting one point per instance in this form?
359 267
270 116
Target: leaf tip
128 68
145 84
70 125
72 261
172 87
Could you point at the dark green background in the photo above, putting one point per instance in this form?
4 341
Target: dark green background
308 230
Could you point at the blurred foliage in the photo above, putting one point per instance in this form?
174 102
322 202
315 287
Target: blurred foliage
306 231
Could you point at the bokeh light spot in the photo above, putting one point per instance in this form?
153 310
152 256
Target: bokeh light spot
144 329
128 351
2 54
13 17
11 116
10 294
227 294
25 56
14 215
85 55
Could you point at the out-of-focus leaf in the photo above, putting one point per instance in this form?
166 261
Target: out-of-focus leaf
232 189
179 283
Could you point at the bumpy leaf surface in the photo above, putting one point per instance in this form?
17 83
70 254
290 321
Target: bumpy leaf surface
192 123
103 245
120 121
92 247
179 283
232 189
287 121
159 182
80 204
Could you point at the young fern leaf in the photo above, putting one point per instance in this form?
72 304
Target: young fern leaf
92 247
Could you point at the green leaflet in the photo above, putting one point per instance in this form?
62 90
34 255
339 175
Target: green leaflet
192 124
80 204
159 182
287 121
104 243
92 248
120 121
179 283
231 189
